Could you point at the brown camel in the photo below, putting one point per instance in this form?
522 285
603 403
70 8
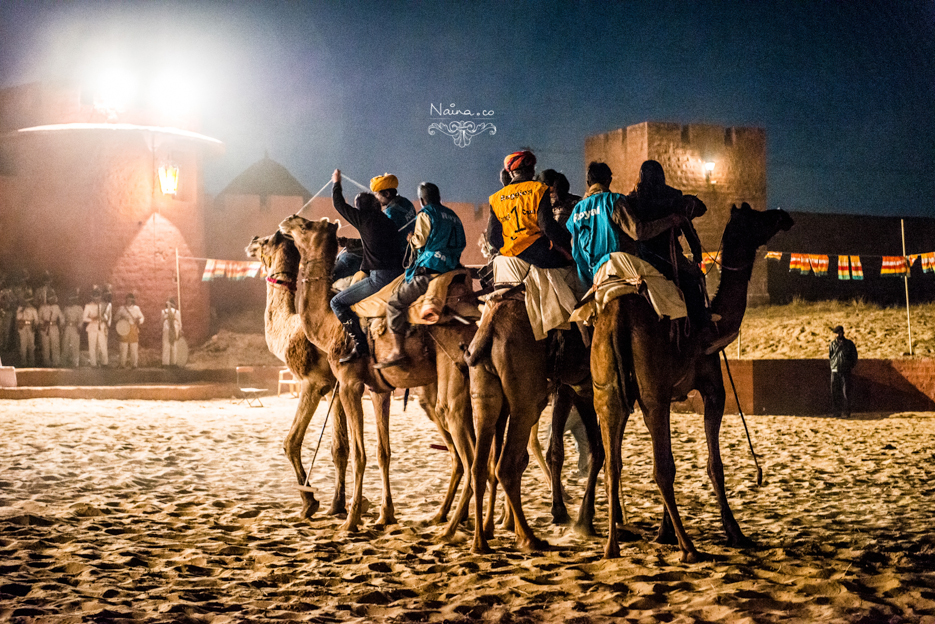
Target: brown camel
633 359
434 360
286 340
513 391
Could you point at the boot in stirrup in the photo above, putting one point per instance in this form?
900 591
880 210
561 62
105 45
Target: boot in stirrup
398 355
352 327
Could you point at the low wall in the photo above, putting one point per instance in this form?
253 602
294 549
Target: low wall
802 387
254 376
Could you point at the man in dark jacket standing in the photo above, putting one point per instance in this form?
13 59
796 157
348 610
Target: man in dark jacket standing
842 355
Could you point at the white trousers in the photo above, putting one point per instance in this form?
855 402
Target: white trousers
97 347
51 347
169 351
133 348
27 347
71 346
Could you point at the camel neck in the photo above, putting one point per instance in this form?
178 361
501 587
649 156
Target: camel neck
314 305
730 302
280 307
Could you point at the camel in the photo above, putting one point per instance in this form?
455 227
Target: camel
434 360
506 388
286 340
633 359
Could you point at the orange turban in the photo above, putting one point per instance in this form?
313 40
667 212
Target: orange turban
517 160
383 182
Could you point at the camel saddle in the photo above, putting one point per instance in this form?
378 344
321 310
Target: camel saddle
449 295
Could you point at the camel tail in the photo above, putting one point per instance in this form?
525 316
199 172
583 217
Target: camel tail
483 339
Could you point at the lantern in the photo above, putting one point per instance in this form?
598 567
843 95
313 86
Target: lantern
169 179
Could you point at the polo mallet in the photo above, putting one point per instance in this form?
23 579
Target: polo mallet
308 475
759 471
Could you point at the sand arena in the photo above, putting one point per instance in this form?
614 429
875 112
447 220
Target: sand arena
170 511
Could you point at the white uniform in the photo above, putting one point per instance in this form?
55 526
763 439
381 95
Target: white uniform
50 321
27 318
171 330
71 341
131 342
97 316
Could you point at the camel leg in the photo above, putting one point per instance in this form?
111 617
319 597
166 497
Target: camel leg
561 407
381 409
535 447
486 401
609 403
431 401
292 445
455 411
340 448
585 522
350 394
656 417
712 392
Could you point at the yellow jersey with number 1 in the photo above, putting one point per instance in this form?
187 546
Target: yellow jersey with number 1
516 206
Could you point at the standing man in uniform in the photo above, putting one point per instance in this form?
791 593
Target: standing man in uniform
436 242
71 343
383 259
842 355
96 319
27 318
171 332
50 323
130 342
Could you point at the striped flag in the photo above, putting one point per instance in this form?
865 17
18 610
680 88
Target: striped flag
774 255
844 268
818 264
893 266
857 271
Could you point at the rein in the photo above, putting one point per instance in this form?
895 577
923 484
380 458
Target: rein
306 266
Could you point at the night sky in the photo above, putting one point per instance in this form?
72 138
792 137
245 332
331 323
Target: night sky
845 90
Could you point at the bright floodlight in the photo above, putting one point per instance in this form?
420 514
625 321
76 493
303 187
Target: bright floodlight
115 90
709 166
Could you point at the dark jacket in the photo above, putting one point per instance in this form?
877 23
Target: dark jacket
842 355
382 247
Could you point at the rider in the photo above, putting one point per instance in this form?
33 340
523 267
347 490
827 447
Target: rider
563 202
521 222
603 222
436 242
383 259
654 199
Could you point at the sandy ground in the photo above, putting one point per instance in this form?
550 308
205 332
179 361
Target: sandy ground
165 511
803 330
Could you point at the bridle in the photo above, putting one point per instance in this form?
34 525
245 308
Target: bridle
306 268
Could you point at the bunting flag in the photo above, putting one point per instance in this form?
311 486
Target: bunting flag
928 262
819 264
799 262
774 255
844 268
708 260
894 265
231 269
857 271
910 260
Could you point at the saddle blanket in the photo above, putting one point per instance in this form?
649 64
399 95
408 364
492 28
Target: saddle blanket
551 294
625 274
429 309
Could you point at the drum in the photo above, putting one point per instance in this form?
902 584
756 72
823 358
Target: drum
123 327
181 352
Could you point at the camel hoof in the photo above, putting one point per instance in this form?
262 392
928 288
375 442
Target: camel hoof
533 544
560 515
351 525
309 507
666 537
585 529
690 556
338 512
481 549
740 541
612 552
382 522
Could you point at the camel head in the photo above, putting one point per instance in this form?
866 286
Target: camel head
315 240
276 252
750 229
